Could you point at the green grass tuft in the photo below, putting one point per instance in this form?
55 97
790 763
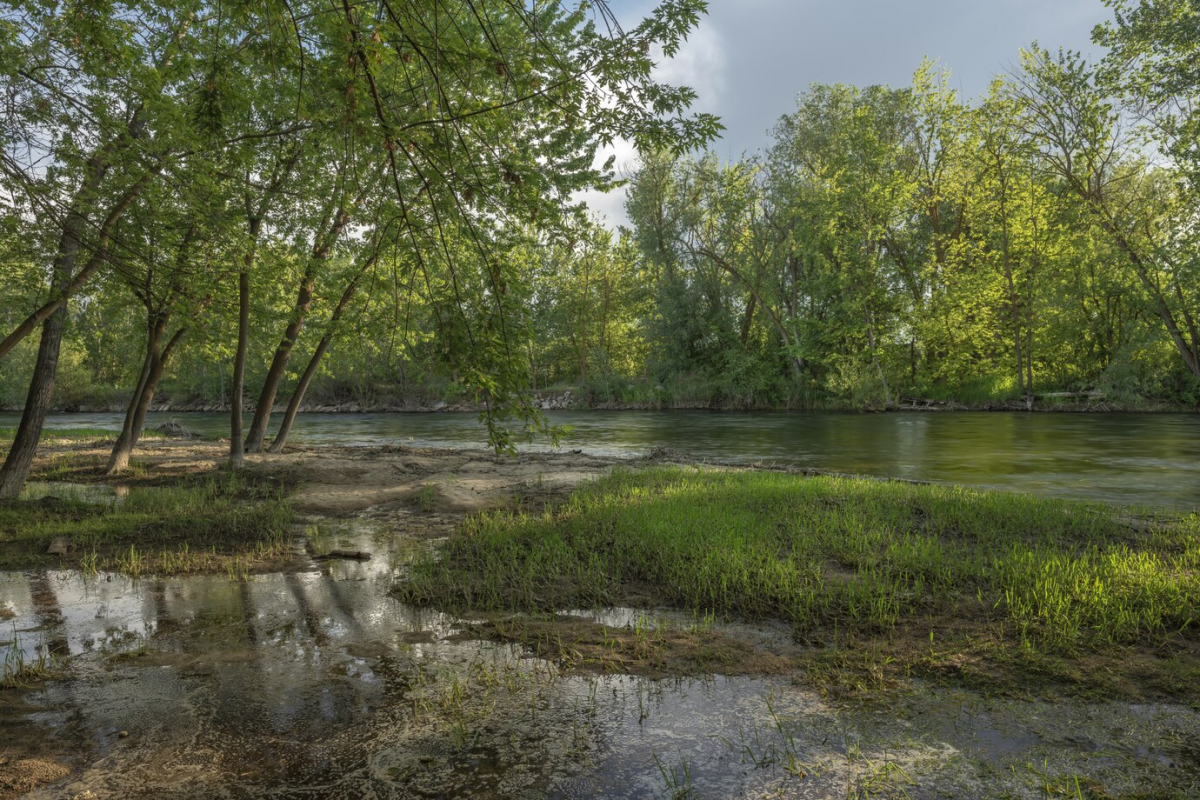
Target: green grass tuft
852 556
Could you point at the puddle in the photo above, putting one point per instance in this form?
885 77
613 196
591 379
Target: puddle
319 683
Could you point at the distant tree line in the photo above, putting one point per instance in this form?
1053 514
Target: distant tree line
893 242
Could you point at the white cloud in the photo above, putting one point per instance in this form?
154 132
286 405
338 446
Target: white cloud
700 64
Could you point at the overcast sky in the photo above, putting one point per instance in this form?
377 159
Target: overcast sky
750 58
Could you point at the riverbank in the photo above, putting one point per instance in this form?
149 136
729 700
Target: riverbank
179 510
1151 459
880 580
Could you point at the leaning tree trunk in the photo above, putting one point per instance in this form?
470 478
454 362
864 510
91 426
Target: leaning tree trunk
289 416
63 283
124 443
304 298
266 399
236 449
139 405
41 387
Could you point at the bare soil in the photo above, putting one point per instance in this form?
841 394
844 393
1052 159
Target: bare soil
339 481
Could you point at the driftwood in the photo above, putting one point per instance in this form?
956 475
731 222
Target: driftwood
174 430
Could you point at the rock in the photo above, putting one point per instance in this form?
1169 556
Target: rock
174 430
123 735
59 546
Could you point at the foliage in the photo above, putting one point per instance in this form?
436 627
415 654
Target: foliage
399 184
365 170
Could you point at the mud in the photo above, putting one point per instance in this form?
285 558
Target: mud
339 481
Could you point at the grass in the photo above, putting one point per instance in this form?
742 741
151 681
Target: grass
884 577
222 521
18 671
7 434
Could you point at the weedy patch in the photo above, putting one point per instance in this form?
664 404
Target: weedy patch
220 522
426 498
651 648
19 670
884 580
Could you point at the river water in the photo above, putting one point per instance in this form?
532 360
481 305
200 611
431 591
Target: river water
1150 459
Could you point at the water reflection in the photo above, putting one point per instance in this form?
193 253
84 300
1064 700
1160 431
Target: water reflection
1152 459
318 683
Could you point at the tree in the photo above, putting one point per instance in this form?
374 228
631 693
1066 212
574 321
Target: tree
91 118
1153 62
1085 143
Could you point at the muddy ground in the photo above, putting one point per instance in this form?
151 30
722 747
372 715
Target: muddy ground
343 480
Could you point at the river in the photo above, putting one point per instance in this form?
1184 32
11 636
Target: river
1147 459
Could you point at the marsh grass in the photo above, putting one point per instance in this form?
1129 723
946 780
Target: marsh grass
954 574
223 521
18 671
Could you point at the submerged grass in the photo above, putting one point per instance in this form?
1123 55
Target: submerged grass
18 670
200 524
926 577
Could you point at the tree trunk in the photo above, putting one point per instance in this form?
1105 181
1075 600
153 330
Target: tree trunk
748 318
41 386
54 316
139 405
293 408
266 399
1189 353
1014 308
236 448
119 459
304 298
289 416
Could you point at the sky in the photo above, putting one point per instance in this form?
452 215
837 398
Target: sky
750 58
